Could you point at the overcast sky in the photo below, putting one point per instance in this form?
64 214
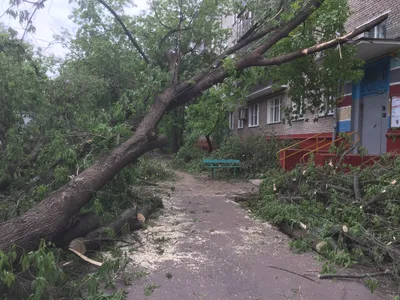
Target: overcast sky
52 19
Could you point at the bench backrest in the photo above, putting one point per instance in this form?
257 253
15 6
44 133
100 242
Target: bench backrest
221 161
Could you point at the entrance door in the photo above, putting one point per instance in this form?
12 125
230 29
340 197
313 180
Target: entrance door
374 122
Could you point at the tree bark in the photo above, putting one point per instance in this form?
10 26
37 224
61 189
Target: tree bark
81 225
210 148
128 221
174 132
51 216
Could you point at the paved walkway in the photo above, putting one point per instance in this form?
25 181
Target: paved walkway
214 251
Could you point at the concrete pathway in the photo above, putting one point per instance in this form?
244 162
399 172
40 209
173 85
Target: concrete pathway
204 246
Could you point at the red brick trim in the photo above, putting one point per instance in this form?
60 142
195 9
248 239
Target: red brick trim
301 136
395 90
345 101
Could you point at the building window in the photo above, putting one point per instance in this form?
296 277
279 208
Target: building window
274 110
231 120
240 124
297 112
254 111
243 21
377 32
326 108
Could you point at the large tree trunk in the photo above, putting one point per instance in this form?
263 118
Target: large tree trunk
51 216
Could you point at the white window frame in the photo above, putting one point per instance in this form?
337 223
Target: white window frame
294 113
240 124
254 115
231 120
377 32
326 110
271 106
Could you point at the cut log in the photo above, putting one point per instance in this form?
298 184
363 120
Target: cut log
128 221
297 234
82 225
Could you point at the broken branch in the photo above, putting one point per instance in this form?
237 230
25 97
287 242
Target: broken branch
354 276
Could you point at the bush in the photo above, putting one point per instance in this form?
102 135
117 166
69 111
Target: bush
257 155
152 169
189 158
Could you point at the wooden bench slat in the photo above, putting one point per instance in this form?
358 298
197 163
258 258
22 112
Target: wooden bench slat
221 167
221 161
221 164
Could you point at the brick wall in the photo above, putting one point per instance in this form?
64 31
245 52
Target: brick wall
304 126
365 10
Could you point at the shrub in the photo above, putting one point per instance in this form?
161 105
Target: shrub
257 155
189 158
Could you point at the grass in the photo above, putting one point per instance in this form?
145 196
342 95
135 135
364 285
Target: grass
149 289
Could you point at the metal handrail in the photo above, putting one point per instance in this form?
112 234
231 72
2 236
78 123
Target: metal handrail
306 148
291 146
334 141
298 143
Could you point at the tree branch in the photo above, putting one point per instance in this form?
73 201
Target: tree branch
260 23
354 276
38 5
289 26
214 75
281 30
127 32
320 47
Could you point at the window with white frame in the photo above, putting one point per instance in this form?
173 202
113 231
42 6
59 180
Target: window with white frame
377 32
274 107
231 120
326 108
254 111
240 124
297 111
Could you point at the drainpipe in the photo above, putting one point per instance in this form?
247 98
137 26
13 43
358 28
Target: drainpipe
334 125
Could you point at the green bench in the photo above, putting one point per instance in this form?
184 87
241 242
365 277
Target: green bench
221 164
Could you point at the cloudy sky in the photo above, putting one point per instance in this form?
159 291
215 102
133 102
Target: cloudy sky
51 20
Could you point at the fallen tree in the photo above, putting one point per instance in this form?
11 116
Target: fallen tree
52 216
347 214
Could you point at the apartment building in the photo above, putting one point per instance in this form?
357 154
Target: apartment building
371 107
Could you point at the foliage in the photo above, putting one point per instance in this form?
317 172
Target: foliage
257 155
189 158
354 232
208 116
53 128
149 289
40 275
